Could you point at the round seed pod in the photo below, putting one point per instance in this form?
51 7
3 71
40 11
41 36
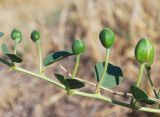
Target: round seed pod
35 36
144 52
107 38
78 46
16 35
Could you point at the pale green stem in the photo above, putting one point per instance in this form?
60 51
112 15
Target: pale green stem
38 76
109 100
15 48
76 92
152 85
76 66
104 71
40 57
89 95
139 79
140 75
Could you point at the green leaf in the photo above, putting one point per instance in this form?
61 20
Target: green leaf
75 84
61 79
138 94
1 34
56 56
4 48
69 83
113 76
14 58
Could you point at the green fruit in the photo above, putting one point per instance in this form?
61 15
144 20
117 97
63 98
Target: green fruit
35 36
107 37
144 52
78 46
16 35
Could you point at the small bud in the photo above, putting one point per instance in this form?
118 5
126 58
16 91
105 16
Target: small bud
35 36
144 52
78 46
107 38
16 35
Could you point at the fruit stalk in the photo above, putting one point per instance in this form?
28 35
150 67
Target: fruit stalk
15 48
40 56
140 75
104 71
76 66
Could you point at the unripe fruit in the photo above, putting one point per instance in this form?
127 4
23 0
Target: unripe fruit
107 37
35 36
16 35
144 52
78 46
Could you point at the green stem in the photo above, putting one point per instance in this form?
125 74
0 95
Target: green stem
89 95
15 48
38 76
138 82
140 75
104 71
150 80
76 66
152 85
40 57
109 100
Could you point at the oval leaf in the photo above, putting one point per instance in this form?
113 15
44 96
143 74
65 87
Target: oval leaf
14 58
69 83
75 84
113 76
138 94
4 49
1 34
61 79
54 57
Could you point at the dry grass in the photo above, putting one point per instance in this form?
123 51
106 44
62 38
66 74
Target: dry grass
60 22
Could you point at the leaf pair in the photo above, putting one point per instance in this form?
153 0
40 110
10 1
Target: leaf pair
113 76
140 95
69 83
13 57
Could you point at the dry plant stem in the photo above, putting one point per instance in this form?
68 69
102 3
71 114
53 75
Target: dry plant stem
83 94
76 65
40 56
104 71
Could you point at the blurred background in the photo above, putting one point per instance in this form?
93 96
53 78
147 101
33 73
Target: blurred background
60 21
